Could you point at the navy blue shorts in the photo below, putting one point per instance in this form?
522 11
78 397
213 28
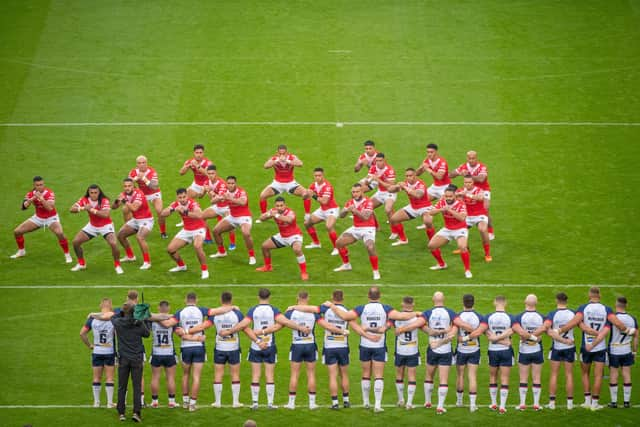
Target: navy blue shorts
409 361
221 357
163 360
103 359
564 355
536 358
438 359
468 358
303 353
331 356
619 360
368 354
590 357
501 358
269 355
192 355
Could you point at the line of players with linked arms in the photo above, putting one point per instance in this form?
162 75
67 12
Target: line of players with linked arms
461 209
442 325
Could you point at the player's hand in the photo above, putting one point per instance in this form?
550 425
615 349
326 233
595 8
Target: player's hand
290 308
224 333
194 164
263 345
200 338
305 330
465 338
588 347
631 331
259 332
345 332
374 338
398 331
327 303
435 344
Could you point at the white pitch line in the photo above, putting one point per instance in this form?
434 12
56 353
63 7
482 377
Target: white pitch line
304 123
335 285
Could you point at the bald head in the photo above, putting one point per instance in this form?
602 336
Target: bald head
438 298
530 301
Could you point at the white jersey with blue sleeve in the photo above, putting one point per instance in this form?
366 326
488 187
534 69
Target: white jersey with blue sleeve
332 340
498 322
189 317
373 315
224 322
263 316
595 315
530 321
407 342
162 340
474 319
620 343
103 335
440 318
301 318
558 318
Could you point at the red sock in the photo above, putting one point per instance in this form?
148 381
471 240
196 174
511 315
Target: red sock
221 249
267 262
163 228
438 256
64 244
208 235
81 261
344 254
400 231
263 206
490 229
180 263
218 218
314 235
252 252
307 205
146 257
303 267
487 249
232 237
374 262
129 252
430 232
116 263
203 267
333 236
20 242
465 259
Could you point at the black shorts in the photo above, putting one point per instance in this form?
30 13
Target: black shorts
468 358
439 359
103 359
192 355
564 355
596 356
501 358
303 353
269 355
536 358
620 360
221 357
410 361
368 354
331 356
165 360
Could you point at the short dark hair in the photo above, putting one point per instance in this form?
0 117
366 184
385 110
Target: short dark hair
212 168
621 301
279 199
357 184
127 179
595 290
37 178
181 190
164 303
198 147
338 295
562 298
318 170
380 156
500 298
191 296
282 147
303 294
451 187
409 169
232 177
407 300
369 143
432 145
468 300
264 293
467 177
374 292
132 294
226 297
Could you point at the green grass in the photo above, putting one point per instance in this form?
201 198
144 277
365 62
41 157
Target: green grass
564 199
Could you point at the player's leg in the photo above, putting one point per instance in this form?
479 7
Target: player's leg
156 371
400 383
172 249
523 371
269 375
300 191
330 223
123 234
115 252
141 237
77 242
464 255
370 244
235 384
395 221
256 371
536 384
436 242
427 222
568 374
344 383
626 386
248 242
196 371
293 384
473 385
266 247
56 228
222 226
264 195
162 221
505 371
443 385
598 373
411 386
613 386
585 374
460 383
198 241
309 223
365 383
343 241
378 383
311 384
97 384
553 382
19 232
170 372
429 374
218 376
333 384
486 243
493 386
398 228
186 374
300 258
109 385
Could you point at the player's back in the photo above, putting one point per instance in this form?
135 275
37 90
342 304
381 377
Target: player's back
188 317
224 322
558 319
620 343
474 319
498 322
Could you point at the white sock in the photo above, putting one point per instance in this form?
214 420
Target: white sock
536 394
271 391
442 395
472 399
312 398
96 392
493 393
109 388
192 402
459 397
235 391
365 385
217 391
594 402
411 391
504 393
292 399
428 388
523 394
378 387
142 398
185 398
626 392
172 400
400 390
345 397
255 392
301 259
587 399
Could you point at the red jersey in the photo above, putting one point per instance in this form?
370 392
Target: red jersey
364 204
239 210
219 188
198 177
41 211
450 222
190 224
474 207
366 159
95 220
324 190
385 174
137 195
438 165
466 169
418 202
284 171
149 174
286 230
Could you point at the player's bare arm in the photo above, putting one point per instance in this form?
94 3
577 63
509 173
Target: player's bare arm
403 315
360 331
602 334
613 319
463 325
240 326
293 325
364 214
304 308
577 318
344 315
85 339
418 323
331 328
